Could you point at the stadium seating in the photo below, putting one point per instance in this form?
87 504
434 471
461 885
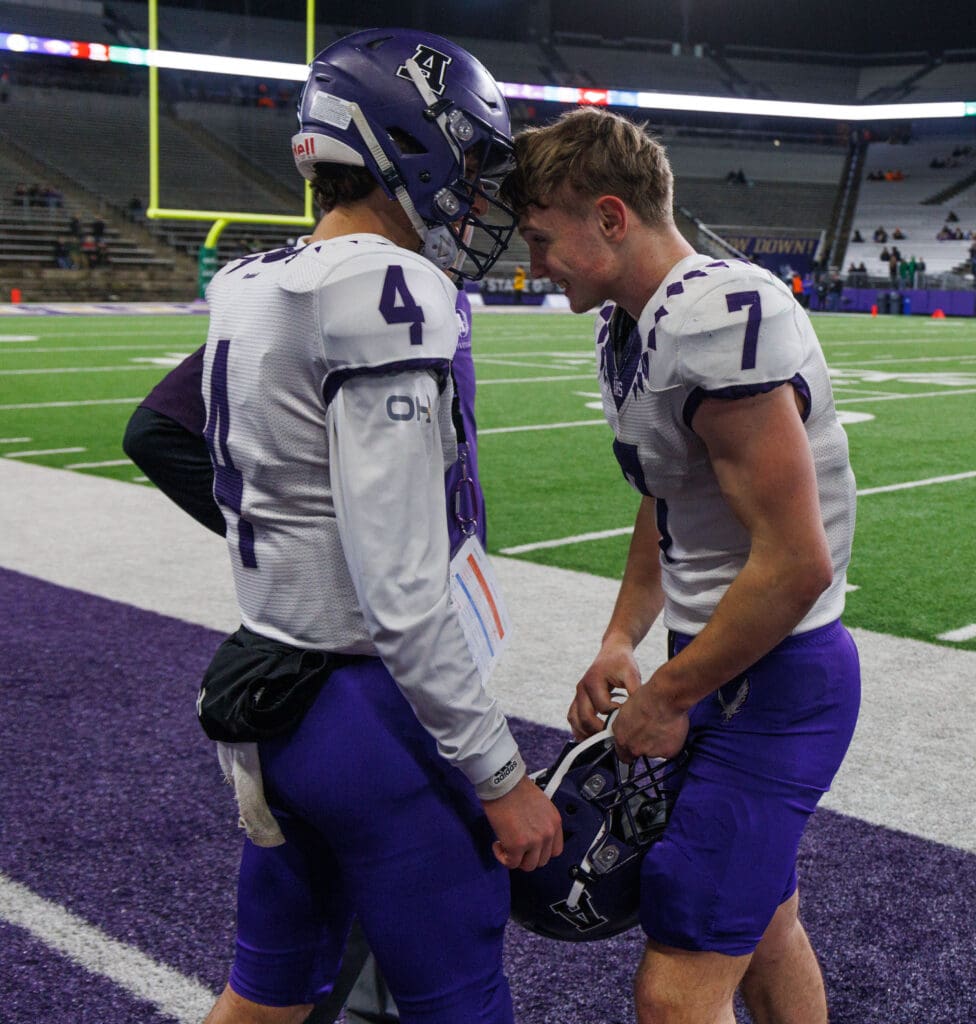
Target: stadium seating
901 204
220 151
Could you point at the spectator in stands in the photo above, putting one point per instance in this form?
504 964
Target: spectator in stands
893 270
74 228
951 217
885 254
62 255
98 229
136 210
34 195
835 291
823 287
945 234
898 234
920 273
857 275
880 235
20 194
857 237
53 197
89 251
264 97
906 273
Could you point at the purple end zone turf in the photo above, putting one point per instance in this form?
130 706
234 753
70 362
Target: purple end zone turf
112 806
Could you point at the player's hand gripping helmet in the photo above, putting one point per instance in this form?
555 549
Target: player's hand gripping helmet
612 814
430 124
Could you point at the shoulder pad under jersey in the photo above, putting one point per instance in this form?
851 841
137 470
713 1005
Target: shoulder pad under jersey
737 328
379 307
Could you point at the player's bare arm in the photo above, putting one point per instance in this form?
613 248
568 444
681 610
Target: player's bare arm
638 605
762 459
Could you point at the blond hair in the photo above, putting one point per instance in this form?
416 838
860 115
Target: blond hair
594 152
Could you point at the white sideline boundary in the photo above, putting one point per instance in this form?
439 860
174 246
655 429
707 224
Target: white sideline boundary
185 1000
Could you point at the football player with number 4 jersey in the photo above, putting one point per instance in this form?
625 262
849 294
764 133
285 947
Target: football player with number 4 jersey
375 775
723 418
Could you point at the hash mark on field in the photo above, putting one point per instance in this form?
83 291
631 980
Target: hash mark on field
959 635
176 996
15 440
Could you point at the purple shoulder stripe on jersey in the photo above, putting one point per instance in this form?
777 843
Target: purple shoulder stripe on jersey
695 399
676 288
337 378
694 273
179 396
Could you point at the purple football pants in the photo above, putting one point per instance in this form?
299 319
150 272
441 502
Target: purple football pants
380 826
764 749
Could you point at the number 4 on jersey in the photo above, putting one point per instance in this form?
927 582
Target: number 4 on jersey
398 306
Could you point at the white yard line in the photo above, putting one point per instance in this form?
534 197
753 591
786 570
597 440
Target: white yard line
918 394
184 999
72 369
42 451
579 538
97 348
536 380
98 465
960 635
72 405
621 531
542 426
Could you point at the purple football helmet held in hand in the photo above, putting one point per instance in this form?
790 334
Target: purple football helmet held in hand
612 814
430 124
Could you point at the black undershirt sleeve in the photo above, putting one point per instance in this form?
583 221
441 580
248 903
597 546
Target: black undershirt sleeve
177 462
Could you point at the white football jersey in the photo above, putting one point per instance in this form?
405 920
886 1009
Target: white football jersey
716 328
328 393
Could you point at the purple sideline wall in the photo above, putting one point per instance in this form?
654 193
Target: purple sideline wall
919 301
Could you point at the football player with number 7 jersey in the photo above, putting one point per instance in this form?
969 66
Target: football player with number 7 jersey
723 418
375 775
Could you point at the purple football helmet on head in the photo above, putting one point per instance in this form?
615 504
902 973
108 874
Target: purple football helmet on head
431 125
612 814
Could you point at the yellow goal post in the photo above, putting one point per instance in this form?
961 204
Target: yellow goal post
220 218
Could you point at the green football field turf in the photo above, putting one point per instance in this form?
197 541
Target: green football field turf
907 386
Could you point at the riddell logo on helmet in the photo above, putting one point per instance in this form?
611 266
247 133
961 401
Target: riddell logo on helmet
304 147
